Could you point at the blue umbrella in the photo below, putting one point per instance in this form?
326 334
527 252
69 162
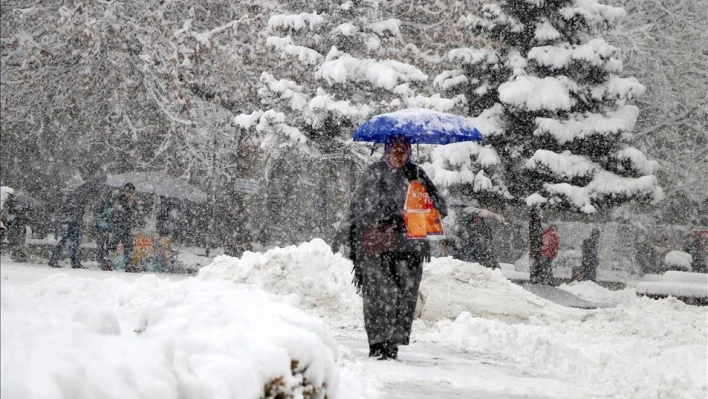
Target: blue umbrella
419 126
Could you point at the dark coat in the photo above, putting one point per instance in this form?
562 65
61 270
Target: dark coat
380 198
75 203
388 282
590 261
474 242
698 264
122 212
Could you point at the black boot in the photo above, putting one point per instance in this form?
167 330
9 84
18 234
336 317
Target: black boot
390 351
77 265
376 350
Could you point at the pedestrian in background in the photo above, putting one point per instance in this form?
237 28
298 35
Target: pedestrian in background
71 221
123 208
549 250
589 262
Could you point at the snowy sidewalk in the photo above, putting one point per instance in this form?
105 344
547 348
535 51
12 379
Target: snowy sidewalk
427 370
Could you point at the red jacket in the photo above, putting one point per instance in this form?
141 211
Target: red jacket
551 243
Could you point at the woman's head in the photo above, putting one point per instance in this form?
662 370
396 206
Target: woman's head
397 151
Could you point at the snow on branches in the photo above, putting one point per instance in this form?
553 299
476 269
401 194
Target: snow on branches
561 108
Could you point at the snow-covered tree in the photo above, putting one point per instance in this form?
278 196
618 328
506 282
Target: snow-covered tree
665 45
138 86
335 65
562 117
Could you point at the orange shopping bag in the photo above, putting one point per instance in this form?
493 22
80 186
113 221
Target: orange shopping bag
421 217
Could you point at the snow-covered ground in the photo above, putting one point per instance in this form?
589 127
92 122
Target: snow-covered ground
241 322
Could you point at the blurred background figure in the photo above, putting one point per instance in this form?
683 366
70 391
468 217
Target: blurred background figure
696 247
71 222
549 250
123 208
589 262
15 216
473 236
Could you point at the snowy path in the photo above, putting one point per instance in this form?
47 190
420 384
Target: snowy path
428 370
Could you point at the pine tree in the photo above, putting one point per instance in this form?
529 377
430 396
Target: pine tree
556 110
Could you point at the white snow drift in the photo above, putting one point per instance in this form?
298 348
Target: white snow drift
82 338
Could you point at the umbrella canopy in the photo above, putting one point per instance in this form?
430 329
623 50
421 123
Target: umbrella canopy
419 126
158 183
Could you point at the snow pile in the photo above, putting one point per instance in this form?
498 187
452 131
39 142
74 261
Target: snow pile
696 278
675 283
678 259
592 292
642 348
452 287
68 337
310 274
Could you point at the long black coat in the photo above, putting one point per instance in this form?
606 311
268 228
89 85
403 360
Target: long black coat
123 212
474 242
75 203
589 259
389 282
379 198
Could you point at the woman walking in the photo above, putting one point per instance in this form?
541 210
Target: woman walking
375 235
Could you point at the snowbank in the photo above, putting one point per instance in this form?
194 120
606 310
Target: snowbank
642 348
68 337
451 287
310 274
672 288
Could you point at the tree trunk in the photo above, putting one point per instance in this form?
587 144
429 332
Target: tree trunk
535 245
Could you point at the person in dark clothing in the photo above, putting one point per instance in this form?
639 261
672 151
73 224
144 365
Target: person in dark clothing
102 211
550 248
474 240
71 222
695 248
163 219
123 207
589 262
374 235
17 216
